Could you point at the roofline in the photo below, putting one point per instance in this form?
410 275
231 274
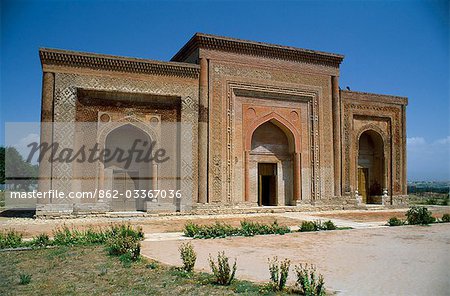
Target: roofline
395 99
214 42
78 59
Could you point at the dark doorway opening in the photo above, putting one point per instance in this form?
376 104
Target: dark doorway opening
267 187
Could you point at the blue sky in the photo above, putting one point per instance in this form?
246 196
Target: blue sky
391 47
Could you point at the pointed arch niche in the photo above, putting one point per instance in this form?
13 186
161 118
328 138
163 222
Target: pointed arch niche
272 162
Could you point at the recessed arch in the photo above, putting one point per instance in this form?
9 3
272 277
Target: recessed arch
287 127
371 165
127 166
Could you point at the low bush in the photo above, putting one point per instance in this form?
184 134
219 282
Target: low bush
254 228
40 241
64 236
419 215
394 221
125 245
328 225
308 281
445 218
220 230
317 225
188 256
10 239
223 273
308 226
279 272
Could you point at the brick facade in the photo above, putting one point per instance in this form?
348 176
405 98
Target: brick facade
226 89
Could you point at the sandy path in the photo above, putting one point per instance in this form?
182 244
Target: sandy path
408 260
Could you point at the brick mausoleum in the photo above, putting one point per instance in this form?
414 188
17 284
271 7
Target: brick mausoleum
270 127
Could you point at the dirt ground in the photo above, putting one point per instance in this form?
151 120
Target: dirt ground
379 216
406 260
32 227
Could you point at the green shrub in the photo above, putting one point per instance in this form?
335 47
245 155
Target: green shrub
41 240
419 215
219 230
308 226
123 241
63 236
126 230
223 274
129 247
394 221
254 228
191 229
317 225
278 229
308 281
188 256
279 273
445 218
328 225
10 239
24 278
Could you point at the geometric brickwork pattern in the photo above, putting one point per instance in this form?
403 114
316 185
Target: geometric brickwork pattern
66 85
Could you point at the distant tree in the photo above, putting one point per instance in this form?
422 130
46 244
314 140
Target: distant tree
16 171
2 165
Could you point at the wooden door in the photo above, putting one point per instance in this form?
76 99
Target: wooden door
363 183
125 182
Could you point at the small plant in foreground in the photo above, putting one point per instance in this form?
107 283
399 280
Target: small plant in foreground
24 278
10 239
188 256
222 272
394 221
419 215
309 282
279 273
152 265
445 218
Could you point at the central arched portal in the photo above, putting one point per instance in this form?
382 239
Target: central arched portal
371 167
127 171
272 149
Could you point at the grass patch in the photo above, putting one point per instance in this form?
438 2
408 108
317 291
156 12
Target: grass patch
88 270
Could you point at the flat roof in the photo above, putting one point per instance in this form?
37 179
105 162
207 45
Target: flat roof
50 56
214 42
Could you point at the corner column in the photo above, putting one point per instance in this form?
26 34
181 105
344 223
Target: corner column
154 176
336 135
45 166
203 133
246 177
297 178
